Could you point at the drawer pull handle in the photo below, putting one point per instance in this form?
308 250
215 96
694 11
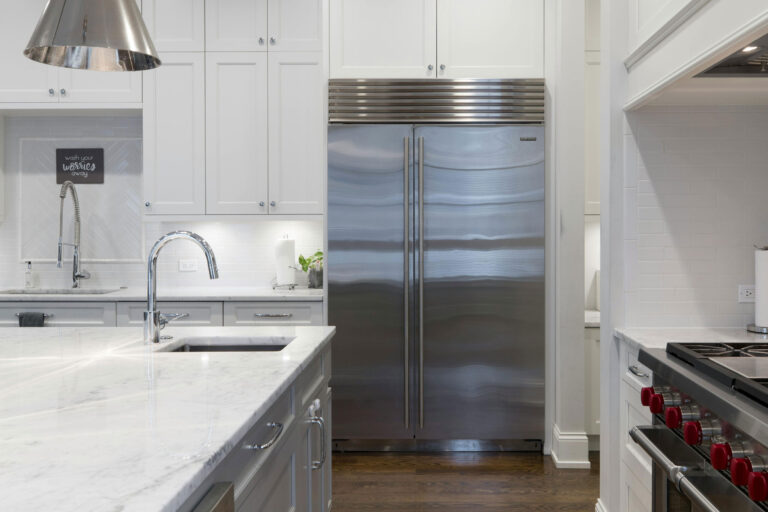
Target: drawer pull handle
273 315
636 371
45 315
318 420
278 428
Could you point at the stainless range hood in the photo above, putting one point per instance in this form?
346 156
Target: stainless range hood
101 35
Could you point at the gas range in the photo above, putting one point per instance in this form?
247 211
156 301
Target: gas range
709 438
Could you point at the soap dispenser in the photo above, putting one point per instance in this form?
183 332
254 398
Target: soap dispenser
30 280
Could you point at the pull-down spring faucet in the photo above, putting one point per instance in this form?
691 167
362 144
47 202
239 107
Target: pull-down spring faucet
77 272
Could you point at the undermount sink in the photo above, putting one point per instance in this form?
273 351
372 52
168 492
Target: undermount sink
230 344
59 291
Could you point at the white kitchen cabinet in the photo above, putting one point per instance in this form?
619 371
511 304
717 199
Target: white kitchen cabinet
592 380
237 165
175 25
61 314
490 38
297 120
383 38
26 81
273 313
236 25
130 314
296 25
174 135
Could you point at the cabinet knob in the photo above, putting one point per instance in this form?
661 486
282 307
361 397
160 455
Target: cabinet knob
51 92
442 67
261 203
272 203
430 67
147 204
63 92
272 40
261 40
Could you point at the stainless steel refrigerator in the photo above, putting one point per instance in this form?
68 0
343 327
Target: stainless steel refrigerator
435 272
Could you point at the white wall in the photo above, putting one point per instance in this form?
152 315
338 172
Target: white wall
112 228
694 204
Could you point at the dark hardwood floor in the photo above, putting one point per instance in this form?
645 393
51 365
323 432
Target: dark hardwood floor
460 482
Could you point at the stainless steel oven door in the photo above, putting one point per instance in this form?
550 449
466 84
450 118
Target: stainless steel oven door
683 480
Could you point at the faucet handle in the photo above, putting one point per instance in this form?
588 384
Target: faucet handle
166 318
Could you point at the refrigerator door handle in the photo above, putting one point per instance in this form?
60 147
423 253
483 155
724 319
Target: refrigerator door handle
421 282
406 275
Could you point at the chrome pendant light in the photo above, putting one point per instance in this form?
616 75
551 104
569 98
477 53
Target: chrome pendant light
101 35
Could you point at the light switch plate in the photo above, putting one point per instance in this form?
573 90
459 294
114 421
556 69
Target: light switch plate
187 265
746 293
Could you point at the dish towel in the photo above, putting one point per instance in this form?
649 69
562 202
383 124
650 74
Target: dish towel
31 319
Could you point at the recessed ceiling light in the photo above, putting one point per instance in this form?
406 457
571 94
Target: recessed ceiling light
749 49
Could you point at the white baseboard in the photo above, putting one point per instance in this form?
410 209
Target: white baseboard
570 450
599 507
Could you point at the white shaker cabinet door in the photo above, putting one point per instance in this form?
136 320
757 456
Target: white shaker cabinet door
297 133
174 135
236 140
490 38
296 25
383 38
81 86
236 25
175 25
23 80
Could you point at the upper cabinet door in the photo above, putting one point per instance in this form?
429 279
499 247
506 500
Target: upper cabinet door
176 25
490 38
80 86
296 25
236 25
174 135
297 128
23 80
236 128
383 38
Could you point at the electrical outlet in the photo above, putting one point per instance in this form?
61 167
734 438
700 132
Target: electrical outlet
746 293
187 265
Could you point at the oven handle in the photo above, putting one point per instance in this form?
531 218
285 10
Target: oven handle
675 473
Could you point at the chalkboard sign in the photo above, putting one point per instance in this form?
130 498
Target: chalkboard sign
80 165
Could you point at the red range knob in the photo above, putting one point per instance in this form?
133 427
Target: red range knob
692 433
673 417
740 470
758 486
657 404
645 396
720 455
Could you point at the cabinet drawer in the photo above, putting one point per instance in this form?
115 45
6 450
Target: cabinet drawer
636 496
131 314
273 313
318 370
632 414
635 374
61 314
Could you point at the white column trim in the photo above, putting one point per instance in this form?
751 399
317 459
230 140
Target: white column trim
570 450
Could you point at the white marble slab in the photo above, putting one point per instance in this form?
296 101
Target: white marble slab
659 337
93 419
187 294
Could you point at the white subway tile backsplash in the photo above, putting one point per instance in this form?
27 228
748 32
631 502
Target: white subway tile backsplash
693 206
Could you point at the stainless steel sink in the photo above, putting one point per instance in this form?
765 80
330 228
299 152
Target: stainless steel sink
59 291
230 344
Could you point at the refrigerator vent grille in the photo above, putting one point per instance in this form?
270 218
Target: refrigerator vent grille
436 101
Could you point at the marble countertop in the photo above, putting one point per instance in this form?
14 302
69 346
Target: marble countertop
591 318
94 419
659 337
185 294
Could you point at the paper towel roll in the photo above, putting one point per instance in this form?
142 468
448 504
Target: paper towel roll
761 288
285 256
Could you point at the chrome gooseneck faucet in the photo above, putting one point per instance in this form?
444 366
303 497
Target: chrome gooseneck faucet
153 319
77 272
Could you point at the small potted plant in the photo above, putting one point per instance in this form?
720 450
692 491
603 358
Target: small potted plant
314 265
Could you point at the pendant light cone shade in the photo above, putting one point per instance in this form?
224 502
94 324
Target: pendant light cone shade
101 35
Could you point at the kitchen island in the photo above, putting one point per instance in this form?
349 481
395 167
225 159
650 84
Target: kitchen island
94 419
